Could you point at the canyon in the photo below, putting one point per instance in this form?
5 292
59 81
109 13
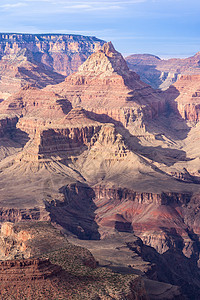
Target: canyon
62 53
161 73
108 160
41 59
41 263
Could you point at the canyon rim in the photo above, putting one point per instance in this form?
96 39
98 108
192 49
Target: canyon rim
99 172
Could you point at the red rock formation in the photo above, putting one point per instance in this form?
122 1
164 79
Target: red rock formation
59 134
184 97
160 73
104 85
40 60
7 124
27 270
158 219
34 103
18 71
19 214
62 53
70 141
67 142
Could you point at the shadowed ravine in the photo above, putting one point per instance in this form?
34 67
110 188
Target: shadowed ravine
114 165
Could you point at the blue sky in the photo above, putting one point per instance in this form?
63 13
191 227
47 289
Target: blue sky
167 28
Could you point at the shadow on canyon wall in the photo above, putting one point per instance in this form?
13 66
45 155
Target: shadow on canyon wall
171 267
169 119
77 212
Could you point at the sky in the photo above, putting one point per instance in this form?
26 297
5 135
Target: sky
167 28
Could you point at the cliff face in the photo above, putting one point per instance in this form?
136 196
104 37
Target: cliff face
184 97
116 215
31 102
56 267
101 153
20 70
60 53
160 73
26 270
119 94
7 124
158 219
40 60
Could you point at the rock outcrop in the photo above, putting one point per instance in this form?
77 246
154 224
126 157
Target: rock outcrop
34 103
158 219
100 153
40 60
7 124
184 97
59 268
62 53
26 270
19 70
105 86
160 73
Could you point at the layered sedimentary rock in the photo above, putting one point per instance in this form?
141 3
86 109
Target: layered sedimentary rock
26 270
160 73
105 86
184 96
59 268
7 124
159 219
102 153
19 70
40 60
62 53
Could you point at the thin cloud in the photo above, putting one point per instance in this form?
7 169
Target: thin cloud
88 2
53 6
96 7
13 5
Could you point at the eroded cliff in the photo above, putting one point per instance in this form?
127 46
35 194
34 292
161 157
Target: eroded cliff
101 153
161 73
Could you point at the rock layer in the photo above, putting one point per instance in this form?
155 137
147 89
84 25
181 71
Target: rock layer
26 270
62 53
118 92
160 73
63 270
184 97
98 154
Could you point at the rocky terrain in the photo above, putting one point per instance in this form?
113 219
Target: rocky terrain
103 153
62 53
184 97
63 269
161 73
39 60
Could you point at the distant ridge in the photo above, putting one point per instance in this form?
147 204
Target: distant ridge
161 73
61 53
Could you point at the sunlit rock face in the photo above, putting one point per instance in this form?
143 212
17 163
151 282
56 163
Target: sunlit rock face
102 153
161 73
40 60
60 53
105 86
184 96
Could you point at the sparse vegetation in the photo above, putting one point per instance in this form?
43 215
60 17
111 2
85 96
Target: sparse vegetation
80 278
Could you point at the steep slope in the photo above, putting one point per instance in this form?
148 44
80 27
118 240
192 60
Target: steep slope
160 73
47 266
20 69
184 96
61 53
105 86
40 60
102 153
